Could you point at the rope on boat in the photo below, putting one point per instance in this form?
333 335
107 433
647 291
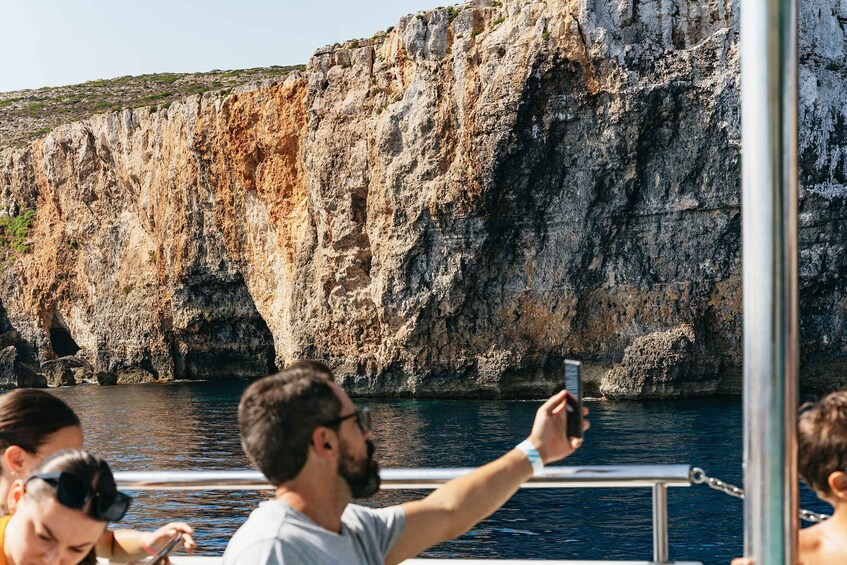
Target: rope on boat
699 477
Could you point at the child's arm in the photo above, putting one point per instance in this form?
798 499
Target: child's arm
131 545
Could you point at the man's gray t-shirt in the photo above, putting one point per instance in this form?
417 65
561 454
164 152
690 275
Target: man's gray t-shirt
277 534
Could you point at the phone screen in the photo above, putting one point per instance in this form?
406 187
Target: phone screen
573 384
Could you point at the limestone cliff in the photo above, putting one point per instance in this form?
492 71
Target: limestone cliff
449 207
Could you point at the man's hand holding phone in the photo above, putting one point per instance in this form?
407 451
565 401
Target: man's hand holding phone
549 429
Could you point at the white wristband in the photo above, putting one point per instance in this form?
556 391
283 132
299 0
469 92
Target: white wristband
532 454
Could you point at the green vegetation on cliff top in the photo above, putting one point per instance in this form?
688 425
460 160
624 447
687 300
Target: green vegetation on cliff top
28 114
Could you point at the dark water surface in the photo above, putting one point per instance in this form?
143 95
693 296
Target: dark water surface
194 427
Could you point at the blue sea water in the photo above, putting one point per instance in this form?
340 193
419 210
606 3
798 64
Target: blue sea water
194 426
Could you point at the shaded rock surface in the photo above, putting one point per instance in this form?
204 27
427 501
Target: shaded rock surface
450 208
67 371
15 374
58 373
18 359
661 365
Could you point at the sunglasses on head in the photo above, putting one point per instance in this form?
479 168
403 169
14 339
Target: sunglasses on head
363 419
73 492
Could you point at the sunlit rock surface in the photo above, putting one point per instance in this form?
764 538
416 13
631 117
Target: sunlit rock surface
667 364
449 208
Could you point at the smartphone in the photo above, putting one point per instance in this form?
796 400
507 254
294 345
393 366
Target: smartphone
573 384
159 558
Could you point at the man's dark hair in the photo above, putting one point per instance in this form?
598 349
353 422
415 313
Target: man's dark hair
28 417
277 415
822 440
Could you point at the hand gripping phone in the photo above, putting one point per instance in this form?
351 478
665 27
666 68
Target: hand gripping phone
573 384
159 558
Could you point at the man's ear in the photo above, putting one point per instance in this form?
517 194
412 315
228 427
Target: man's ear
325 443
14 460
837 482
16 494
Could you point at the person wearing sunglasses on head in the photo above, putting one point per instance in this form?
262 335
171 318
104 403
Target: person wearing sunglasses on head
60 511
35 424
314 445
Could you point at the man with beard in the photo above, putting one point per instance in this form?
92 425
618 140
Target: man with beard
311 442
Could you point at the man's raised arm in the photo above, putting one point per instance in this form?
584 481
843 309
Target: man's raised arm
457 506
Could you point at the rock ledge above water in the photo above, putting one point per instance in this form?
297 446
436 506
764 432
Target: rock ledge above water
661 365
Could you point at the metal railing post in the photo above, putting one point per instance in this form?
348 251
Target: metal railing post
660 523
769 263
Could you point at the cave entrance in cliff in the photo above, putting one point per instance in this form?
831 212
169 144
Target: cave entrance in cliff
62 342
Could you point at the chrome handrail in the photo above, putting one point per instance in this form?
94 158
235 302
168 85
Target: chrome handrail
600 476
657 477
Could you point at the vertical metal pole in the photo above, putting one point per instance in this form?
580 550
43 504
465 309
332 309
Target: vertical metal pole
769 226
660 523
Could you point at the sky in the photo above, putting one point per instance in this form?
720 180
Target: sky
59 42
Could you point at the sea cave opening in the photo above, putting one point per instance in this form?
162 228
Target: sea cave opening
62 342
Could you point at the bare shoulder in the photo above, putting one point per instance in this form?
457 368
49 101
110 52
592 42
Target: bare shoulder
822 544
811 538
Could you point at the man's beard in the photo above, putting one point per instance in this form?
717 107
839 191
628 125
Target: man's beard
361 476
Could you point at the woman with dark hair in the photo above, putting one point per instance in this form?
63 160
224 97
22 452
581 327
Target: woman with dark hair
33 425
61 511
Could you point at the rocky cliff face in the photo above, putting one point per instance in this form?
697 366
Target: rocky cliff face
450 207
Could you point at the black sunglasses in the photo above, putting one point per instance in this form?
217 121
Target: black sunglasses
73 492
363 419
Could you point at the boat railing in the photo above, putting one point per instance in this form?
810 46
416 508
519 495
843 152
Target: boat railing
656 477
